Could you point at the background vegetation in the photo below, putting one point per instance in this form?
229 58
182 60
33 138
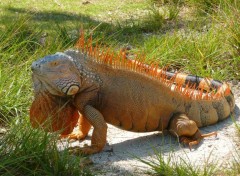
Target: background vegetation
198 37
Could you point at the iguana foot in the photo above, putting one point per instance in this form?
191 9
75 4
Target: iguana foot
99 135
84 127
187 130
77 136
195 139
188 141
74 135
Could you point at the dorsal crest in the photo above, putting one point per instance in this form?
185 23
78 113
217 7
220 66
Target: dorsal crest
202 89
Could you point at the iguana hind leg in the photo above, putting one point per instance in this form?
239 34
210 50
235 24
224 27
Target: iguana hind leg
187 130
99 136
84 127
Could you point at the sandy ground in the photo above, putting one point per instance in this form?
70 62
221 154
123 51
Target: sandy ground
119 155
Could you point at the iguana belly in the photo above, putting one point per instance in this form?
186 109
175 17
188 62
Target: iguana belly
144 120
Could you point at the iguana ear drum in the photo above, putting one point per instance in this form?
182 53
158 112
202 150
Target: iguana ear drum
53 114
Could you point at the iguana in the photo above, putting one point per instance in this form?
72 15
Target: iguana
109 88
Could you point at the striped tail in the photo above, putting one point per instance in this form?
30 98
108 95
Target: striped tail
192 86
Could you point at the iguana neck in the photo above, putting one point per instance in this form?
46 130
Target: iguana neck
85 67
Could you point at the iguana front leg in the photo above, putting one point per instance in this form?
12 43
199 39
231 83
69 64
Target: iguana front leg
187 130
99 136
84 127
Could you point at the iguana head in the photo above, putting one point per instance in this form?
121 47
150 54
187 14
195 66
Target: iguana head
57 73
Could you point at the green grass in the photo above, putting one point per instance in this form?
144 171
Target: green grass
197 37
27 151
23 150
177 166
20 45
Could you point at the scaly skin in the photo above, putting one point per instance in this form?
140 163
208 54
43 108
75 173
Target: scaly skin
127 99
63 115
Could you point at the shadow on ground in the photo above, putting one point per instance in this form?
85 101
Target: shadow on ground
124 145
124 149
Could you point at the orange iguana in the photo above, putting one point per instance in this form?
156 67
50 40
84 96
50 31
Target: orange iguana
108 88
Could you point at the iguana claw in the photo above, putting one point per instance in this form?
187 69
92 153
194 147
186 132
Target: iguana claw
75 135
196 139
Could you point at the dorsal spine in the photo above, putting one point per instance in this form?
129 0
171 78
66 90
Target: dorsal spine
177 82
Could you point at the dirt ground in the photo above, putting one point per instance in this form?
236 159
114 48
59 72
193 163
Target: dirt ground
119 156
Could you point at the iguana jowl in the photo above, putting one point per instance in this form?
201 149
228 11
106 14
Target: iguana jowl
128 94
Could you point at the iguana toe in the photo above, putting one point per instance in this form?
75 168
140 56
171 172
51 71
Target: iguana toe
75 135
196 139
189 142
